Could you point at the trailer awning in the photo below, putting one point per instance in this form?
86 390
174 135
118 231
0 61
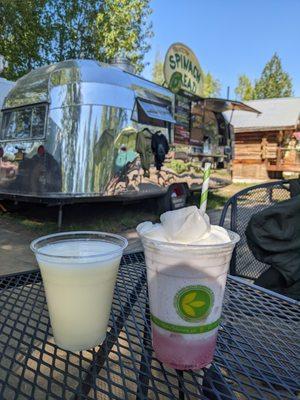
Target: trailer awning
221 105
156 111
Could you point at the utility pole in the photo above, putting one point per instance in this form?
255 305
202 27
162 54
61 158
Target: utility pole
228 92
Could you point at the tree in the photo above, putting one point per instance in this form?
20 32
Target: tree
244 90
211 86
37 32
273 82
122 25
158 69
21 35
71 27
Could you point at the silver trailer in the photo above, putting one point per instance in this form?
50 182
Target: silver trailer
81 130
65 125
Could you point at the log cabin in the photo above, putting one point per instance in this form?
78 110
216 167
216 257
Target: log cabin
266 144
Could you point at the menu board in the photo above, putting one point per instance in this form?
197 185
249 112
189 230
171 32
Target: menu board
182 116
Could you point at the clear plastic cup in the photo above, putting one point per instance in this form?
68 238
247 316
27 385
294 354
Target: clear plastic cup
186 289
79 271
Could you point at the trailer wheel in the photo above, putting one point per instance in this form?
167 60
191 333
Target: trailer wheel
175 198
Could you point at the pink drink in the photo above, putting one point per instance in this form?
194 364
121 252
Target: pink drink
186 289
178 353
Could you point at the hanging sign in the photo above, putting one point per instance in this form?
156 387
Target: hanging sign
182 70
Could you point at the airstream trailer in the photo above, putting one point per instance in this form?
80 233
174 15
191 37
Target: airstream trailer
81 130
69 130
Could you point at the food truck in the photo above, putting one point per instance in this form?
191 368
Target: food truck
82 130
201 132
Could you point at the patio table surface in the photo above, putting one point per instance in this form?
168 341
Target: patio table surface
257 355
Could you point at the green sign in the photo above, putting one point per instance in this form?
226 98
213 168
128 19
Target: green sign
182 70
194 303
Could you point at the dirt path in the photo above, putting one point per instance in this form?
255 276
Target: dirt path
16 256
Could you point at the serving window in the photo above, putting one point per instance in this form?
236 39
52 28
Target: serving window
24 123
151 113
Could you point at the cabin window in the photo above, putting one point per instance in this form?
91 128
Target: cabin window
24 123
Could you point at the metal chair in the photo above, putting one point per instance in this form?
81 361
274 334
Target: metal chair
236 215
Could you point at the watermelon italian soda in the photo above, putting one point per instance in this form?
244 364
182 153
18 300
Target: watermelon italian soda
187 262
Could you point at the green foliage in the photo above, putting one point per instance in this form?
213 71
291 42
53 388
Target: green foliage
180 166
211 86
244 90
22 35
122 26
158 69
37 32
274 82
71 27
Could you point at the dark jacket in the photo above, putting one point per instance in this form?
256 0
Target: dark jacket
160 148
273 235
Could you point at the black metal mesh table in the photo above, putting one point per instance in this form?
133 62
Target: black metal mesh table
257 355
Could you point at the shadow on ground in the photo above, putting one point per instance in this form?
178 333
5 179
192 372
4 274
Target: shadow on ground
25 222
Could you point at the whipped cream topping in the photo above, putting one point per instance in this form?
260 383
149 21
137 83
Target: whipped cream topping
185 226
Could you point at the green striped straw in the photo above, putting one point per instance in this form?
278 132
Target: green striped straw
204 192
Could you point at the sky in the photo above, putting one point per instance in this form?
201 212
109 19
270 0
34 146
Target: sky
230 37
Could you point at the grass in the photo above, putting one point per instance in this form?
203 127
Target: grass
217 198
115 217
214 202
39 227
107 217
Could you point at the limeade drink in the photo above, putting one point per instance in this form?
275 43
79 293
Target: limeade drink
187 262
79 275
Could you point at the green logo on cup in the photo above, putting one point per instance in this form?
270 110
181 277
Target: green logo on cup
194 303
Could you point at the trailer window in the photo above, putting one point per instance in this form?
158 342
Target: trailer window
24 123
38 121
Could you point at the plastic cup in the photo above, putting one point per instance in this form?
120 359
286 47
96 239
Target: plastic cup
186 289
79 271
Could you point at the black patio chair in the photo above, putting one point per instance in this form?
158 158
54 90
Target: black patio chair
236 215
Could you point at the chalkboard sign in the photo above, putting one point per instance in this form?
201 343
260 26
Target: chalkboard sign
182 116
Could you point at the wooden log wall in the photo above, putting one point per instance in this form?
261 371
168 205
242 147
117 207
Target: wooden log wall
256 145
253 151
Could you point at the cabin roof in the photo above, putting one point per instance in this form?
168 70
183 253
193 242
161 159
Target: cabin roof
35 86
276 114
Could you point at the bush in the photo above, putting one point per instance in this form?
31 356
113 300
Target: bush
180 166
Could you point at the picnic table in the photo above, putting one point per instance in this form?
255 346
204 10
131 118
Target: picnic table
257 355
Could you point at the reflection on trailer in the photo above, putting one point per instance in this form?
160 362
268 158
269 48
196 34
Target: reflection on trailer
83 130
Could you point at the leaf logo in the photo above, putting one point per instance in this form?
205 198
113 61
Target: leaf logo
194 303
